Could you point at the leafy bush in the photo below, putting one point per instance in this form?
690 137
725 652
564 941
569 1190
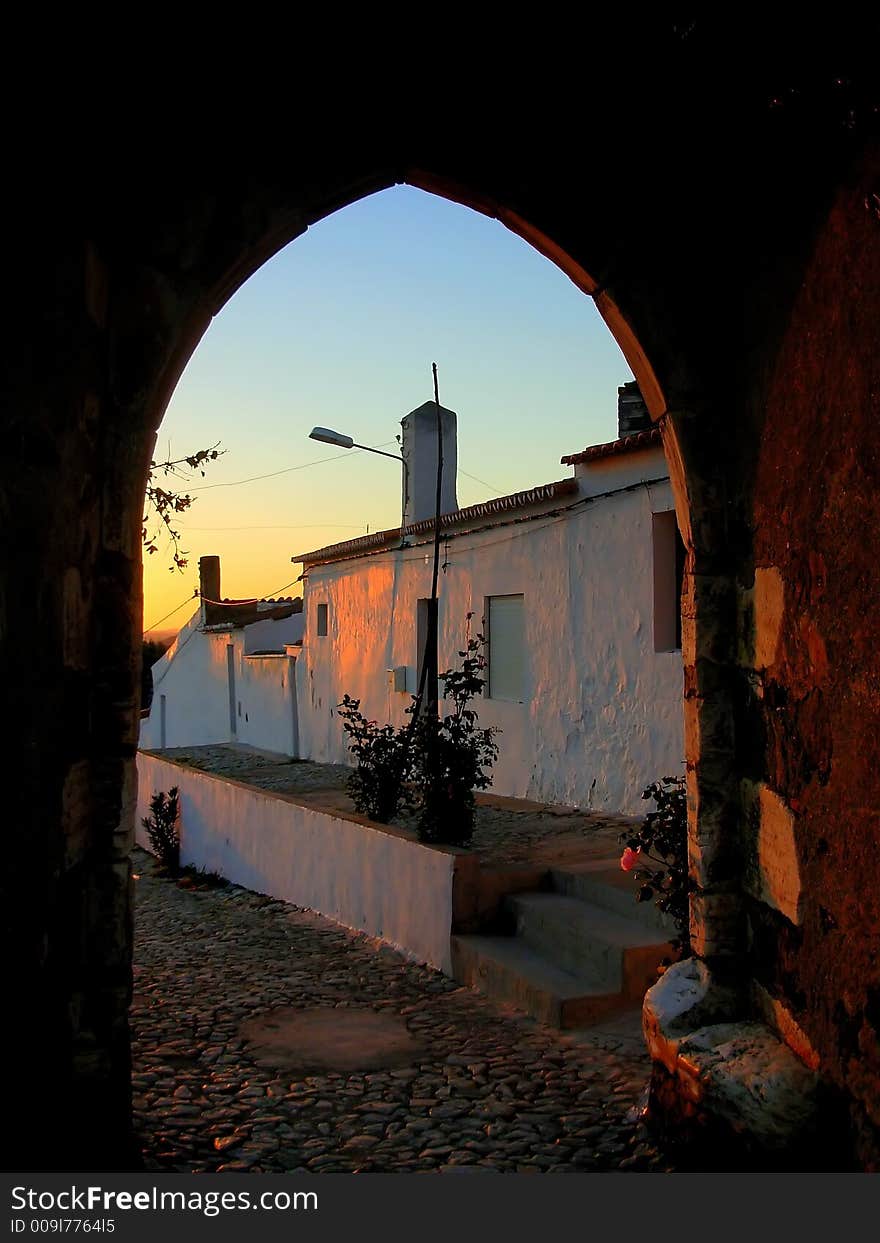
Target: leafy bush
377 784
162 828
430 766
451 755
663 840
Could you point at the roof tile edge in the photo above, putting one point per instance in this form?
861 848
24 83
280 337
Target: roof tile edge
626 444
500 505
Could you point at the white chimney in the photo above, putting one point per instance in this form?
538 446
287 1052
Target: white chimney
419 449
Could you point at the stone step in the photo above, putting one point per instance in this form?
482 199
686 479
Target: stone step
604 883
586 940
509 971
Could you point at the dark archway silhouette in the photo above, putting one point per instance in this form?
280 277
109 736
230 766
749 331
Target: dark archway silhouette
737 266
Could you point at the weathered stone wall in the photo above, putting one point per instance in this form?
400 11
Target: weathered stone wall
749 315
70 618
810 634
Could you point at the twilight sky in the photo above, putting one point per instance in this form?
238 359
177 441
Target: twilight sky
340 329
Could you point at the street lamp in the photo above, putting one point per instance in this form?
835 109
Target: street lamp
429 665
328 437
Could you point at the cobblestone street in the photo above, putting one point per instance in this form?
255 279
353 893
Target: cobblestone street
483 1089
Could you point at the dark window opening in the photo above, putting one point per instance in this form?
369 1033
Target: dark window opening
426 650
323 620
669 556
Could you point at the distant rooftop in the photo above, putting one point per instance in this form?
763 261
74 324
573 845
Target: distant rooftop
626 444
636 432
495 510
237 613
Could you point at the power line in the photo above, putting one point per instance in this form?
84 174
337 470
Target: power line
232 604
417 552
225 603
234 483
292 583
280 526
490 486
188 600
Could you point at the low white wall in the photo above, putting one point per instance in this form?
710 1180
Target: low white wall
376 881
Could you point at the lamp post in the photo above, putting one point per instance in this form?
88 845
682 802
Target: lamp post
328 436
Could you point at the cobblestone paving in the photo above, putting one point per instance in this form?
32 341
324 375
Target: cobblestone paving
505 830
488 1090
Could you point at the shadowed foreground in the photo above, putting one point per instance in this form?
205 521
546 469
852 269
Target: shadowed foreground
463 1083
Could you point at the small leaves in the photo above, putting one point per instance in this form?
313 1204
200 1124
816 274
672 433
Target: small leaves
163 503
377 784
431 765
162 828
453 756
662 839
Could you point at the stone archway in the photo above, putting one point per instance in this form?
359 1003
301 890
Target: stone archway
108 313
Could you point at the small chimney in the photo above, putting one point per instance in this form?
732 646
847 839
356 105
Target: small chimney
419 450
209 586
632 413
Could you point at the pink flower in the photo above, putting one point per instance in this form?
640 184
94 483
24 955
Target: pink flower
629 858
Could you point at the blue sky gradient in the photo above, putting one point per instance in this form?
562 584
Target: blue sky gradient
340 329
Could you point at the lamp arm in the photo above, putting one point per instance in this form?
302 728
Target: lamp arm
395 457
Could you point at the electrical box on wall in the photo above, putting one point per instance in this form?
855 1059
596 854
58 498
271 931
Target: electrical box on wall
397 678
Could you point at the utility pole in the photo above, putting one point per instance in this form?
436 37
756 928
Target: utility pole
426 696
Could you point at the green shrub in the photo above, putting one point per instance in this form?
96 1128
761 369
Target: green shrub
431 766
662 839
162 828
377 784
451 755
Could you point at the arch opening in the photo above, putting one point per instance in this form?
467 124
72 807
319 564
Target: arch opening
583 282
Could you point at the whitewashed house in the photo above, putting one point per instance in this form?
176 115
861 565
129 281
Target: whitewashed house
575 585
228 675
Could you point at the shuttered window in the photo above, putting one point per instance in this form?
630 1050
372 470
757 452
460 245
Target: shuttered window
507 647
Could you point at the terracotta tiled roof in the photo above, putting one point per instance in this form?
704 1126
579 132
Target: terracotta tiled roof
496 508
351 547
626 444
239 613
499 506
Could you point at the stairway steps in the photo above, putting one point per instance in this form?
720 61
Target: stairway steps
579 937
509 971
575 954
603 883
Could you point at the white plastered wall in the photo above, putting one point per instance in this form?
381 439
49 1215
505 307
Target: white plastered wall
265 705
602 714
193 678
